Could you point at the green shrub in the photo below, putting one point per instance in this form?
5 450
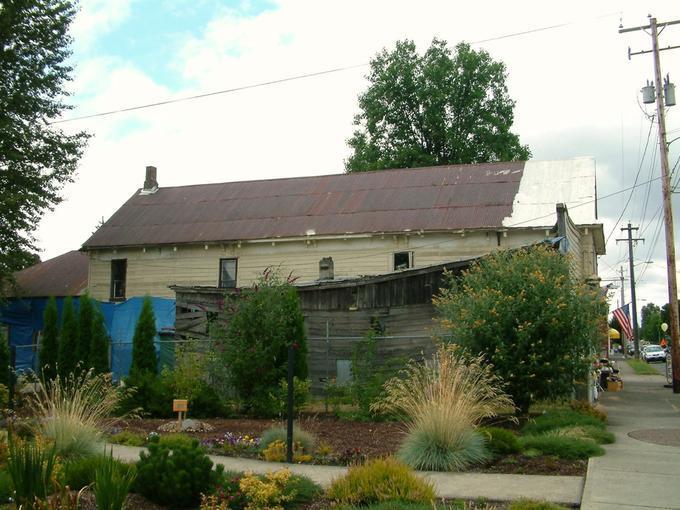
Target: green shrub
302 489
6 486
584 407
72 411
144 359
500 441
560 418
111 485
301 394
151 395
568 448
380 480
424 450
175 476
176 439
586 432
30 465
526 504
79 473
206 403
128 438
440 402
4 397
265 320
49 341
306 439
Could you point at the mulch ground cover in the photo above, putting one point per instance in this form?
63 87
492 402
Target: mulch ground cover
366 440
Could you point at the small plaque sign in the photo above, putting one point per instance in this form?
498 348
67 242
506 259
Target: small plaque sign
180 406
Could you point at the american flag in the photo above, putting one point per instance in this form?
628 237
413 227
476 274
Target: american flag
623 318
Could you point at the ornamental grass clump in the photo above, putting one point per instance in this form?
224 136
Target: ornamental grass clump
441 402
74 410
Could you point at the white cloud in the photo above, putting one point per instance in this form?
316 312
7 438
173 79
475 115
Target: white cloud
97 17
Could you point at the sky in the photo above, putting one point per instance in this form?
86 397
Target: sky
576 92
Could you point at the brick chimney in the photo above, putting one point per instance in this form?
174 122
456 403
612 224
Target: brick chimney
150 183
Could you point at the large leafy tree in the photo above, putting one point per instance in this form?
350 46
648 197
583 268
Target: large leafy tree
527 316
650 328
444 107
36 159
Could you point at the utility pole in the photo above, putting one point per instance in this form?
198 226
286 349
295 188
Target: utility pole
630 239
623 302
666 189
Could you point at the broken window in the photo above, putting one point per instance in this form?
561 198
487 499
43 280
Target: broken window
118 276
403 260
228 273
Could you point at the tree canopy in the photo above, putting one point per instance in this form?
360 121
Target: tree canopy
36 159
530 320
650 328
444 107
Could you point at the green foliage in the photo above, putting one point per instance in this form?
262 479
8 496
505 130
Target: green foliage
128 438
144 359
425 450
532 322
650 328
5 368
73 411
560 418
4 397
49 346
437 109
597 434
188 380
306 439
301 394
6 486
85 320
112 484
175 440
36 158
302 490
369 375
266 320
68 340
500 441
80 472
585 407
99 344
527 504
152 395
380 480
30 465
642 368
561 446
175 476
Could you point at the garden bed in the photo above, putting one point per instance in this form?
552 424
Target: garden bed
352 440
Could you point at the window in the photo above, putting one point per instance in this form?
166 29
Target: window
403 260
228 273
118 275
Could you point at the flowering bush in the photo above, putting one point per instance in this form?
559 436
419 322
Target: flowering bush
227 495
231 443
267 493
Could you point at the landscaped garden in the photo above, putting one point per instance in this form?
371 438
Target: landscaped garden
498 400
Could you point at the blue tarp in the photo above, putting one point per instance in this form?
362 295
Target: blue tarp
25 318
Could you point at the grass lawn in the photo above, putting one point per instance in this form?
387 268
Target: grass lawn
642 368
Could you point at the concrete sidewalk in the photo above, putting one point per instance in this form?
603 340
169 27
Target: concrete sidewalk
642 469
557 489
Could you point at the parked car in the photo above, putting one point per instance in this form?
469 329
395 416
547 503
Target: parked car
653 353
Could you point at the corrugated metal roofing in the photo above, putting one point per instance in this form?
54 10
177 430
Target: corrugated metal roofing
428 199
65 275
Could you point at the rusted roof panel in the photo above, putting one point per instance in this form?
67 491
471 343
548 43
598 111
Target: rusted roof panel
428 199
65 275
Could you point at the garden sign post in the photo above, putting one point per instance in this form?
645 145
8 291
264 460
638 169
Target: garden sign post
180 407
289 430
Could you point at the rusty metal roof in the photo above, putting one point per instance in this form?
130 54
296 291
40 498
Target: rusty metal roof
65 275
428 199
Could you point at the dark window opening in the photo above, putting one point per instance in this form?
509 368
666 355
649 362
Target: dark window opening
403 260
228 273
118 275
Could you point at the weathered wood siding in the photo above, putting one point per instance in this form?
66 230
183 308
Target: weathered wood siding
152 270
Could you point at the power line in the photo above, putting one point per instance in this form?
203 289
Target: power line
297 77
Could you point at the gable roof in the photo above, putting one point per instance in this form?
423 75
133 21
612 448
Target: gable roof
65 275
442 198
